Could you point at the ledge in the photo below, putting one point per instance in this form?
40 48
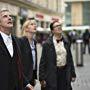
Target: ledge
31 5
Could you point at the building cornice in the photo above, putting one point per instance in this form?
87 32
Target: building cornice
32 6
76 1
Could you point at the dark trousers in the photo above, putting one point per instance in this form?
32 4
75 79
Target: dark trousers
62 79
43 88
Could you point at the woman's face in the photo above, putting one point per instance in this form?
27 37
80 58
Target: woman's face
57 28
32 27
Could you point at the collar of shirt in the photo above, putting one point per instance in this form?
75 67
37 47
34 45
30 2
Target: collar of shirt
54 40
8 42
32 44
5 36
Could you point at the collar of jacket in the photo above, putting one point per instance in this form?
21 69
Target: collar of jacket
50 40
26 39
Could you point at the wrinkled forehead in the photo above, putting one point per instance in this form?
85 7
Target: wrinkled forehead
4 12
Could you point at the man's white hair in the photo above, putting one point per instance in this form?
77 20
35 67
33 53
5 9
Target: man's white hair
3 9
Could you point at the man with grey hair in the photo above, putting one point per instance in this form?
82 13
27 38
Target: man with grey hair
11 76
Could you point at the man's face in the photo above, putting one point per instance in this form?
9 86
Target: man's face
6 20
57 28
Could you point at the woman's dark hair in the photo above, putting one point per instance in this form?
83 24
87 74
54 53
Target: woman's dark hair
51 25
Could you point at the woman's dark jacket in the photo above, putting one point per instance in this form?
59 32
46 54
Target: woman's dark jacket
27 59
48 69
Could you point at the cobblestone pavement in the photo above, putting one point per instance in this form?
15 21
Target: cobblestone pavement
83 75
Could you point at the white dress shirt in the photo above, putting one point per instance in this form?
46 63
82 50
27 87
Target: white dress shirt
8 42
33 53
60 52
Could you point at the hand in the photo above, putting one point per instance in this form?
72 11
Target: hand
29 87
43 83
73 79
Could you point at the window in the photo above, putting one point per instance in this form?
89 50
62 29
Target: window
86 13
42 24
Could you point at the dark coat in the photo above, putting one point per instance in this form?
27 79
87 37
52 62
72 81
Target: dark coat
5 62
48 69
27 58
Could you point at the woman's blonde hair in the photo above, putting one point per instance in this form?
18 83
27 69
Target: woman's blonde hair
25 26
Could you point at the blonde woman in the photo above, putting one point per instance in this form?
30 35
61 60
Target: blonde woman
28 48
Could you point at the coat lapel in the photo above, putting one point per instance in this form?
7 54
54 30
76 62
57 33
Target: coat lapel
16 43
27 45
18 60
51 45
3 46
29 49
